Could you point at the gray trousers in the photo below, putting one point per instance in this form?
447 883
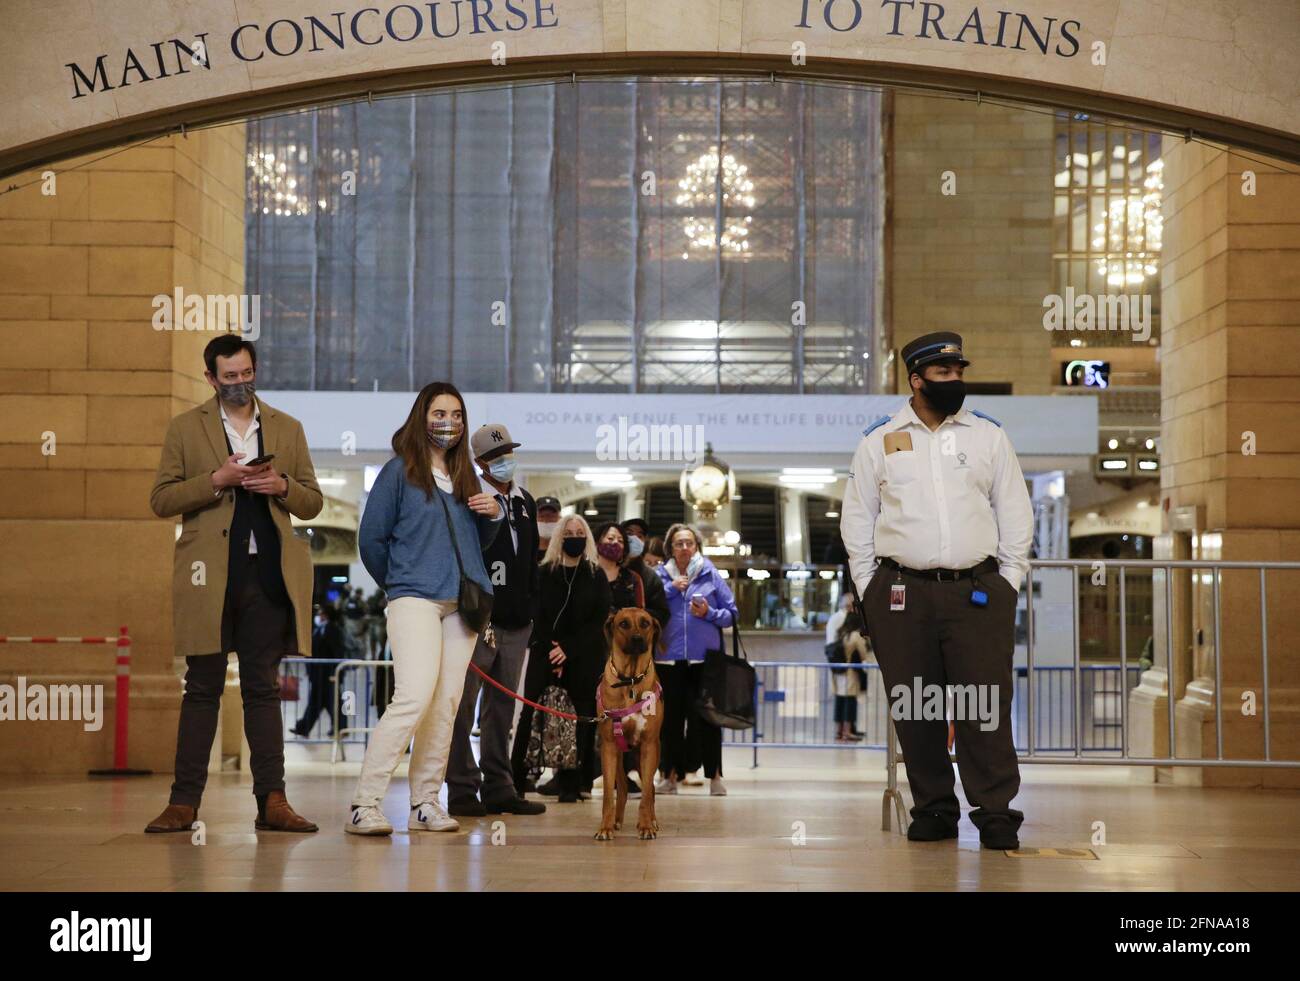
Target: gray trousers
505 664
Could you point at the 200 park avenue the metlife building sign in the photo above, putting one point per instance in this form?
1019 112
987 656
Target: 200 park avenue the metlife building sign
84 75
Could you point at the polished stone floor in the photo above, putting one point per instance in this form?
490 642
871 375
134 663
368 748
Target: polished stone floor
803 821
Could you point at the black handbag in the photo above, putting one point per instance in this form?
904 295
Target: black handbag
835 654
474 603
727 687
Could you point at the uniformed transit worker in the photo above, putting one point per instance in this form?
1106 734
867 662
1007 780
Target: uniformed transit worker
937 523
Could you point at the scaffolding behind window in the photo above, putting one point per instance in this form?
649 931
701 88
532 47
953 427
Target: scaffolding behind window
608 236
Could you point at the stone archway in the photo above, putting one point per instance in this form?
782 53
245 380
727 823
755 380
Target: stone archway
82 78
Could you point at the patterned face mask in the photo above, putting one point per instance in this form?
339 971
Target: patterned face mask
240 393
444 435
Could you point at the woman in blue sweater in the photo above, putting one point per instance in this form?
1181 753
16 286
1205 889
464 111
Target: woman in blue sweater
406 545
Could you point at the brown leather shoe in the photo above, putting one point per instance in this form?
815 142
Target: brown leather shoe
279 816
175 817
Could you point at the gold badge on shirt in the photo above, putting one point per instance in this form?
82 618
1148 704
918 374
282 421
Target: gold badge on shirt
897 441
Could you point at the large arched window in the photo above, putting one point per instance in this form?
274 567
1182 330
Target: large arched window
599 236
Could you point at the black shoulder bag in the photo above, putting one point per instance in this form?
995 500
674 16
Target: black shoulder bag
728 685
475 602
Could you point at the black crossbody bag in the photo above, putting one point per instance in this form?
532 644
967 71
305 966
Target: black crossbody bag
475 602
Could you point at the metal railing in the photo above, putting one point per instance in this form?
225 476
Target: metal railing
352 698
1119 755
795 705
1062 714
794 702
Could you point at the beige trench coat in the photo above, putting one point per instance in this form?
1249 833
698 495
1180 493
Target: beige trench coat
195 445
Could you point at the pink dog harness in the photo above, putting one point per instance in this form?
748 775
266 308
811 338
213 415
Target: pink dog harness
618 715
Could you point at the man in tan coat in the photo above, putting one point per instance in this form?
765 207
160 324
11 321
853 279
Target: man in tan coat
235 469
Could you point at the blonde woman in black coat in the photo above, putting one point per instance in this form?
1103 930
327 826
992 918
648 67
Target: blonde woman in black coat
569 632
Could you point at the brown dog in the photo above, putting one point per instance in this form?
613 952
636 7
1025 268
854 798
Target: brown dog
629 693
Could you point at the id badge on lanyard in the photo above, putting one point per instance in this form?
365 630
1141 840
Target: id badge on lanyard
897 597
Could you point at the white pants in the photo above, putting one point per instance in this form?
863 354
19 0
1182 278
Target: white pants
431 653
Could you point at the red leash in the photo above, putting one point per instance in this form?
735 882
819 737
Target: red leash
541 708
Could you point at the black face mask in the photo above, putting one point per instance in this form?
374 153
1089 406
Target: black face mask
573 547
947 396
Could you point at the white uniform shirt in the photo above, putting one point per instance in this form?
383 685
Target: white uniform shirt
952 500
247 445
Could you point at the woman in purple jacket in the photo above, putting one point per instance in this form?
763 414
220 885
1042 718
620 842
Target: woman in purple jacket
699 605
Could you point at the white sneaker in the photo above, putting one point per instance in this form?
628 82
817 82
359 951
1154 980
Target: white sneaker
666 785
716 789
367 821
431 816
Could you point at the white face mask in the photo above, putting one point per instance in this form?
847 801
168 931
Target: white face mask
546 529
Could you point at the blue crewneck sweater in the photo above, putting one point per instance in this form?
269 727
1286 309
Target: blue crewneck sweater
404 543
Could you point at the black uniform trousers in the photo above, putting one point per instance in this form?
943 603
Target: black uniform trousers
941 638
260 631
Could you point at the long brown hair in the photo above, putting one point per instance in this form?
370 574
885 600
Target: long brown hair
411 443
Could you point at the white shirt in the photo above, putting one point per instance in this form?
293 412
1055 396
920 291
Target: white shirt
952 500
247 445
444 481
834 623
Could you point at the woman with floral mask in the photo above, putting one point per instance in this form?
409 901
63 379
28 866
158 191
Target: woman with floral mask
406 544
626 587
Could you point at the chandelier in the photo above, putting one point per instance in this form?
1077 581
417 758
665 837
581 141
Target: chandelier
700 188
1131 233
276 185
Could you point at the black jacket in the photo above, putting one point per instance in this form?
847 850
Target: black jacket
514 574
572 607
